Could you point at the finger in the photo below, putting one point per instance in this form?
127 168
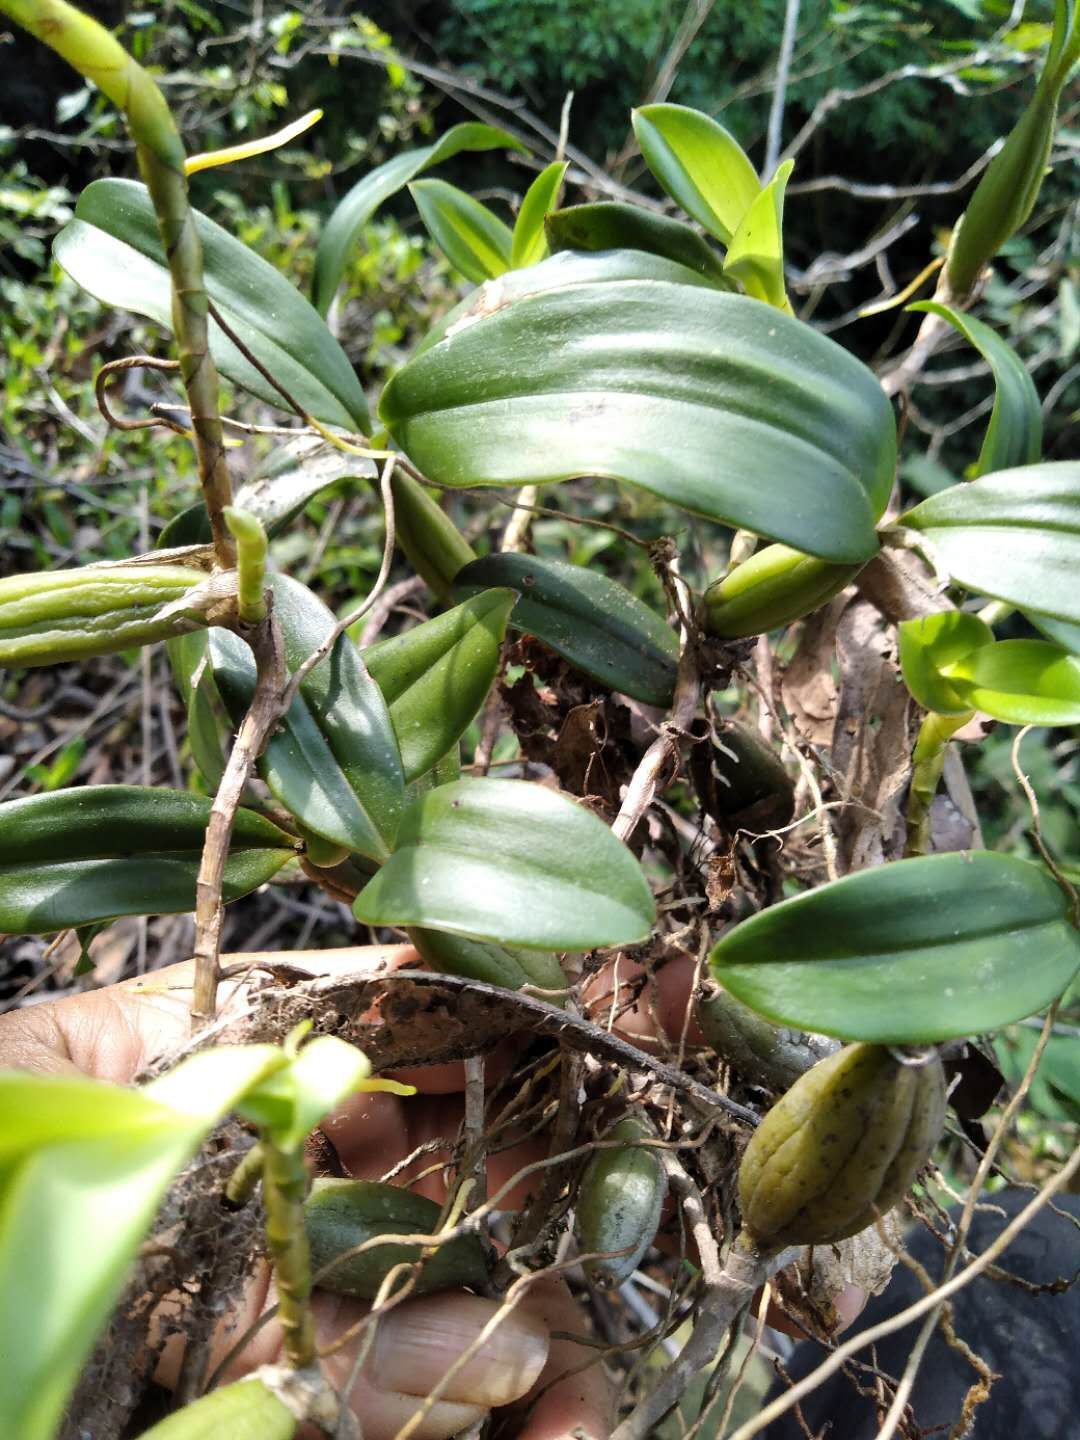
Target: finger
569 1400
660 1005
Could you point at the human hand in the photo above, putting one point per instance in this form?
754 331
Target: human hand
115 1033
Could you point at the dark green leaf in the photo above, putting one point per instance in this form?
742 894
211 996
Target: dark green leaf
436 676
511 862
493 964
100 851
474 240
529 241
755 255
588 619
1013 535
356 209
612 365
1014 434
609 225
929 647
334 761
112 248
907 953
700 165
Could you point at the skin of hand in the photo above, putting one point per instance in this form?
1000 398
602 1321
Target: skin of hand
115 1033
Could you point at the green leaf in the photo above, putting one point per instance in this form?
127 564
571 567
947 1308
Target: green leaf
613 365
511 862
100 851
356 209
1059 631
907 953
334 760
1021 682
82 1161
292 474
930 647
244 1411
294 1099
113 250
609 225
473 239
1014 433
436 676
755 255
591 621
775 586
700 165
1013 535
529 240
492 964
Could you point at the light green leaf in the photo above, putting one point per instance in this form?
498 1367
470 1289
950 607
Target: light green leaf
700 165
356 209
294 1099
473 239
1021 682
609 225
84 1161
529 240
1014 433
511 862
930 647
1059 631
334 760
908 953
755 255
244 1411
436 676
591 621
613 365
1013 535
96 852
113 250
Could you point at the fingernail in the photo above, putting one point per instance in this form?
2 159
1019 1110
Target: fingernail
417 1343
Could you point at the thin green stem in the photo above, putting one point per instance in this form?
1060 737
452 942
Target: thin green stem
929 761
250 537
284 1188
94 53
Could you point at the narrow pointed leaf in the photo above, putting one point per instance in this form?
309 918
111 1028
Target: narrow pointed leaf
473 239
1021 682
1013 535
1014 433
591 621
334 761
609 225
700 165
612 365
356 209
96 852
436 676
755 255
930 647
529 240
511 862
908 953
113 250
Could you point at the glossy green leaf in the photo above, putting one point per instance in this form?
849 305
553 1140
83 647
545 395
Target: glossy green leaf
591 621
1014 433
492 964
1005 195
472 238
1021 682
429 539
775 586
529 240
1059 631
908 953
96 852
512 862
755 255
82 1161
356 209
1013 535
613 365
244 1411
929 647
700 165
609 225
113 250
436 676
334 760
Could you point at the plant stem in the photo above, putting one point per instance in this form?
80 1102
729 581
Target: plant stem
929 758
250 539
94 53
284 1188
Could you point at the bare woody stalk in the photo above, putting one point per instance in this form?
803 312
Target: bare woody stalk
95 54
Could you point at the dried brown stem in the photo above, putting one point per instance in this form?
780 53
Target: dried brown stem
649 780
